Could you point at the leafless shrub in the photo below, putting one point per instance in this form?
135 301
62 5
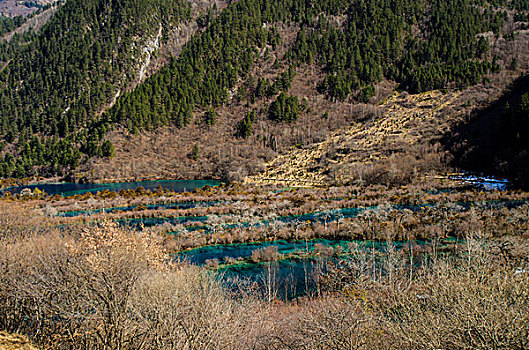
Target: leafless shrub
49 211
104 287
186 309
470 301
269 253
16 221
69 285
398 169
323 251
212 263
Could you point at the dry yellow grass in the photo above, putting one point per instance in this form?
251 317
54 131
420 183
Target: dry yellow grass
408 120
14 342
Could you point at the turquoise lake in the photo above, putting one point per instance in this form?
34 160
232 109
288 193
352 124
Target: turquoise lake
291 277
71 189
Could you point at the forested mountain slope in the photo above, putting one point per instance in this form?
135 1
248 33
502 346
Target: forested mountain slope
358 43
8 24
259 77
83 57
331 63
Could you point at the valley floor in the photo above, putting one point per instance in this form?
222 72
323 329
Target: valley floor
93 268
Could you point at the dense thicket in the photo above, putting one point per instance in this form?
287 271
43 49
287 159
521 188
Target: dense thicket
245 126
82 58
10 49
285 108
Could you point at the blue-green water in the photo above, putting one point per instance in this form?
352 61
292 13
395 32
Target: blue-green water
487 183
199 256
293 276
244 250
286 278
149 222
327 216
71 189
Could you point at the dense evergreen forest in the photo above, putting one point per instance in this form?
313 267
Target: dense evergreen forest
419 44
392 39
53 89
7 24
55 85
9 49
13 47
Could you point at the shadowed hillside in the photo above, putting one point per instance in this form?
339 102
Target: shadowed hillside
496 139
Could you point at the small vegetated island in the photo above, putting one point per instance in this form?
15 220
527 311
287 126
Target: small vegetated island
262 174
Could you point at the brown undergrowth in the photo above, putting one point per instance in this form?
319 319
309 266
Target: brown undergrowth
240 214
105 287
